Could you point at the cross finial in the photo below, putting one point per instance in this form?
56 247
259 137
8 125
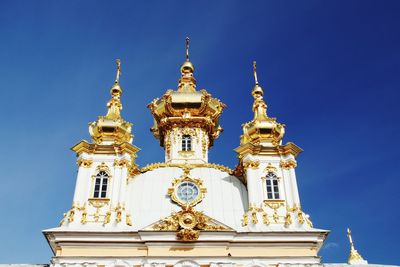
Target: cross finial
255 72
187 48
118 61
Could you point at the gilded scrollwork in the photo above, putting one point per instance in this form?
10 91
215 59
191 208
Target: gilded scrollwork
121 163
288 219
188 223
265 218
85 163
128 220
103 167
270 168
251 164
107 218
289 164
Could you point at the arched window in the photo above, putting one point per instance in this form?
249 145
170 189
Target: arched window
186 143
100 185
272 186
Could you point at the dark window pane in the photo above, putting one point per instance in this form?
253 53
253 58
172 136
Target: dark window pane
96 194
103 194
105 180
276 195
268 182
275 182
97 187
269 195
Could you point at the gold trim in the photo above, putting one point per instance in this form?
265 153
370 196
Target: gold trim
157 165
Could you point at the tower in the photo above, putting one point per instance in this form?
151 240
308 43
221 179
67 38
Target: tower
269 170
186 120
104 167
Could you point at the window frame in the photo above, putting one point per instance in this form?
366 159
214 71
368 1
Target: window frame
101 176
271 181
186 144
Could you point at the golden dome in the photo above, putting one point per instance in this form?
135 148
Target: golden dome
262 129
186 107
112 128
187 67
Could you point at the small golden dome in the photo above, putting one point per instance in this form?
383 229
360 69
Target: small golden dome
116 89
257 91
187 67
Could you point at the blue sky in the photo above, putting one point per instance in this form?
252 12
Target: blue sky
329 69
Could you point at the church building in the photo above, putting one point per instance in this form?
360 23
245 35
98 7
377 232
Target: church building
187 211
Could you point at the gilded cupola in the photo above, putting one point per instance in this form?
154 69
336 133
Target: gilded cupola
111 128
262 129
186 107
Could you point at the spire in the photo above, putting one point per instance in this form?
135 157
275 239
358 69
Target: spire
187 82
255 72
114 105
354 257
112 128
118 61
262 128
187 48
259 105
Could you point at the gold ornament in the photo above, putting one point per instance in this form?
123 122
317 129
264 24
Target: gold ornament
287 165
188 223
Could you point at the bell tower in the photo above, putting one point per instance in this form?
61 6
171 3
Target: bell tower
186 120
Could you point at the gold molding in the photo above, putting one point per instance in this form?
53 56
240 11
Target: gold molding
157 165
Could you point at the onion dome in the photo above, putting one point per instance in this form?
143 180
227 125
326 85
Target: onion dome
186 107
262 129
112 128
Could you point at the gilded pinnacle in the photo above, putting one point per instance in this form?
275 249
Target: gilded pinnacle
354 257
111 128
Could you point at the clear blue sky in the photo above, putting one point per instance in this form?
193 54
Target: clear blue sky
329 69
